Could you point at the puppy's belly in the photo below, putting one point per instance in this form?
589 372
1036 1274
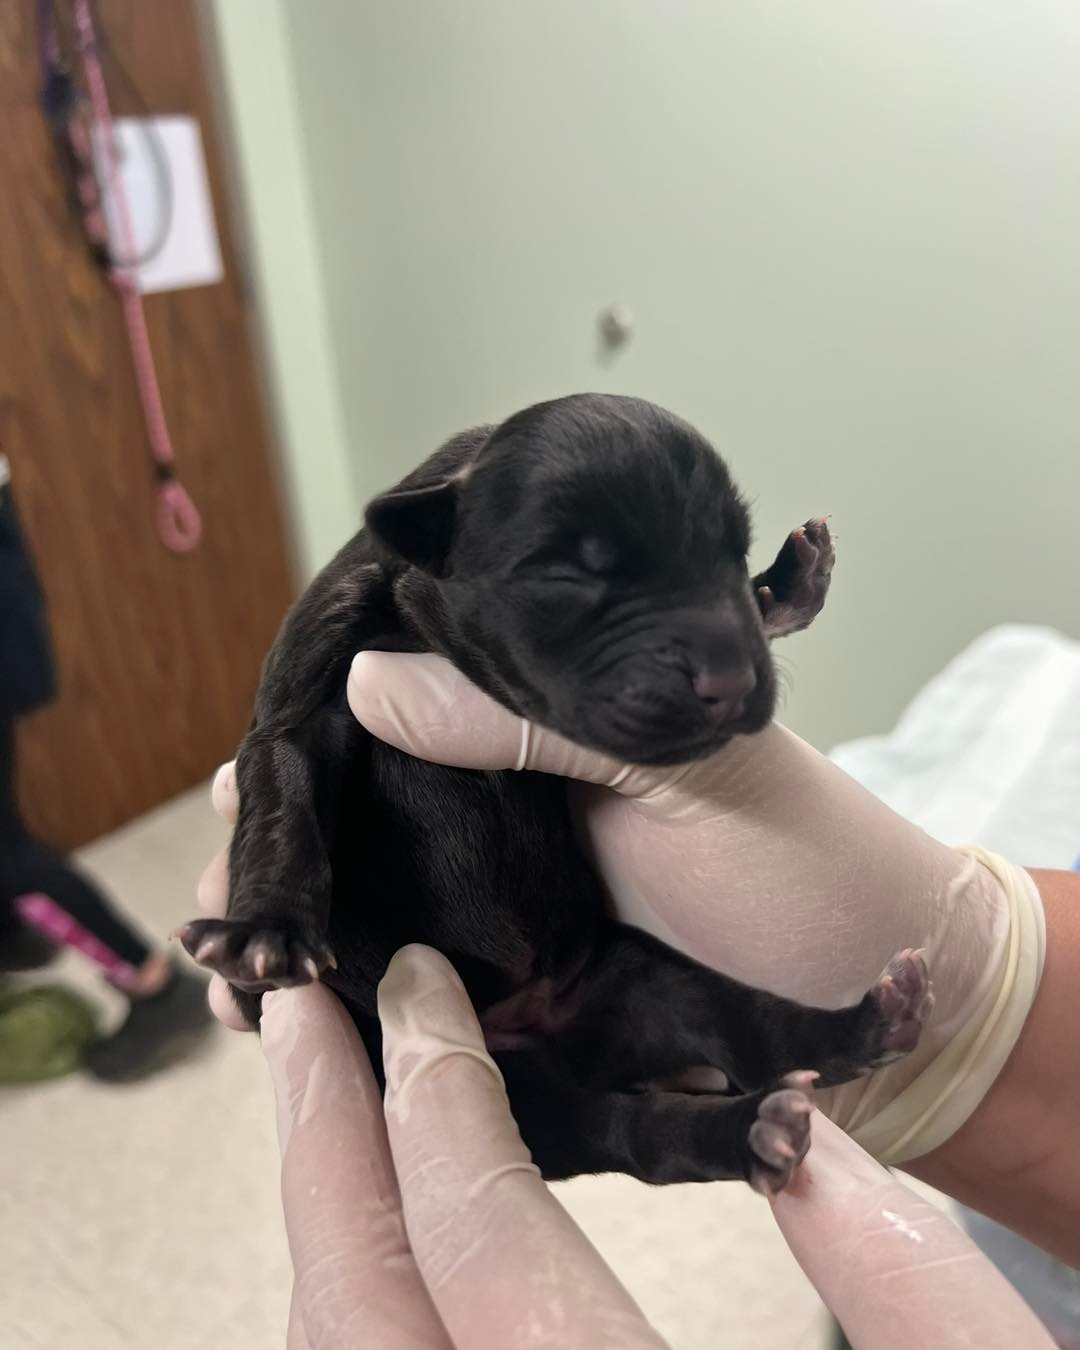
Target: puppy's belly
482 866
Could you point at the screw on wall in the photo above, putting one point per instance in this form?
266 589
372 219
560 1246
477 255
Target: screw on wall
616 326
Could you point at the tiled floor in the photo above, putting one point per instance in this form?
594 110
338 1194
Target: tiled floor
148 1216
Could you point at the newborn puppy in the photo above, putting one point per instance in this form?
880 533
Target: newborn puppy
585 563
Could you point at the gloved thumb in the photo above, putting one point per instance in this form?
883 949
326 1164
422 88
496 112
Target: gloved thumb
504 1262
426 707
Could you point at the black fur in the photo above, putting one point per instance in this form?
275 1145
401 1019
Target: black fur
586 564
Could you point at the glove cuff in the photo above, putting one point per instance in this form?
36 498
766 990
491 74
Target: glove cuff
931 1108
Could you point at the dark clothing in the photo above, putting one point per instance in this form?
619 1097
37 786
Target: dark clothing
27 674
27 680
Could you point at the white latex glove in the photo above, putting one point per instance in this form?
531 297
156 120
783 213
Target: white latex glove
421 1222
213 890
768 863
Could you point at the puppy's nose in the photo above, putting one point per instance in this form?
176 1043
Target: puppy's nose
724 692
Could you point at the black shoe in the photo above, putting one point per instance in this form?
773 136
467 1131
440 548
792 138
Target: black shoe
157 1032
24 948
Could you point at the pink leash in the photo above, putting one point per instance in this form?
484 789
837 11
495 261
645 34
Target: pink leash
178 521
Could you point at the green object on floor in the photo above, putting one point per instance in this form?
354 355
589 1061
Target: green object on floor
44 1032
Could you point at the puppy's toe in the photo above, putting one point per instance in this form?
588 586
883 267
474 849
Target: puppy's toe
904 1002
780 1136
256 957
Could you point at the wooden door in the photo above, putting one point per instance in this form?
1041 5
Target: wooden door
158 654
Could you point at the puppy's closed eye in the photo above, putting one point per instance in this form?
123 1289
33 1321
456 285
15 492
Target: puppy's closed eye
585 560
597 555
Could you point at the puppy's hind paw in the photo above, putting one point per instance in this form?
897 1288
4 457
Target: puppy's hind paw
256 957
780 1136
904 1002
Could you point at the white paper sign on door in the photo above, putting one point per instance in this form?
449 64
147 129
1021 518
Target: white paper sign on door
163 173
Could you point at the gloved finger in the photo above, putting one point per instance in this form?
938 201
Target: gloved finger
296 1336
212 892
213 897
426 707
503 1261
355 1280
224 795
888 1263
223 1006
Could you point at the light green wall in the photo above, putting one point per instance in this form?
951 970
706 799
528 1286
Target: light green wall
849 231
255 84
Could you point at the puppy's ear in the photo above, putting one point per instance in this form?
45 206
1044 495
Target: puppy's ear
417 524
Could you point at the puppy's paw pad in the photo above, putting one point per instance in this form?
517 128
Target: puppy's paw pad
904 1000
780 1136
256 957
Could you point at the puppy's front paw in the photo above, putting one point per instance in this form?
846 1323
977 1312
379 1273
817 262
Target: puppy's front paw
792 592
256 957
780 1136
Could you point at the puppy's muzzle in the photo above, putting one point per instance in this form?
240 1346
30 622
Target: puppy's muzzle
723 693
718 693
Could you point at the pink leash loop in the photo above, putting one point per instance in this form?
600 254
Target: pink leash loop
178 521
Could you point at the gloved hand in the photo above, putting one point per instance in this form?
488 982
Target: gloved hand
420 1222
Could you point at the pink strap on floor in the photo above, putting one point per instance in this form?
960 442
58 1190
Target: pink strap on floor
178 521
47 917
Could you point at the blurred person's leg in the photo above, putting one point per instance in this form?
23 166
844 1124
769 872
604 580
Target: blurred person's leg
26 865
167 1006
21 947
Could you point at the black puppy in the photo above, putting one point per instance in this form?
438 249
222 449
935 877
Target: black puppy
586 564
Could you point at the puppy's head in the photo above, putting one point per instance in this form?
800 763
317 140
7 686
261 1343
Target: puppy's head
589 569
